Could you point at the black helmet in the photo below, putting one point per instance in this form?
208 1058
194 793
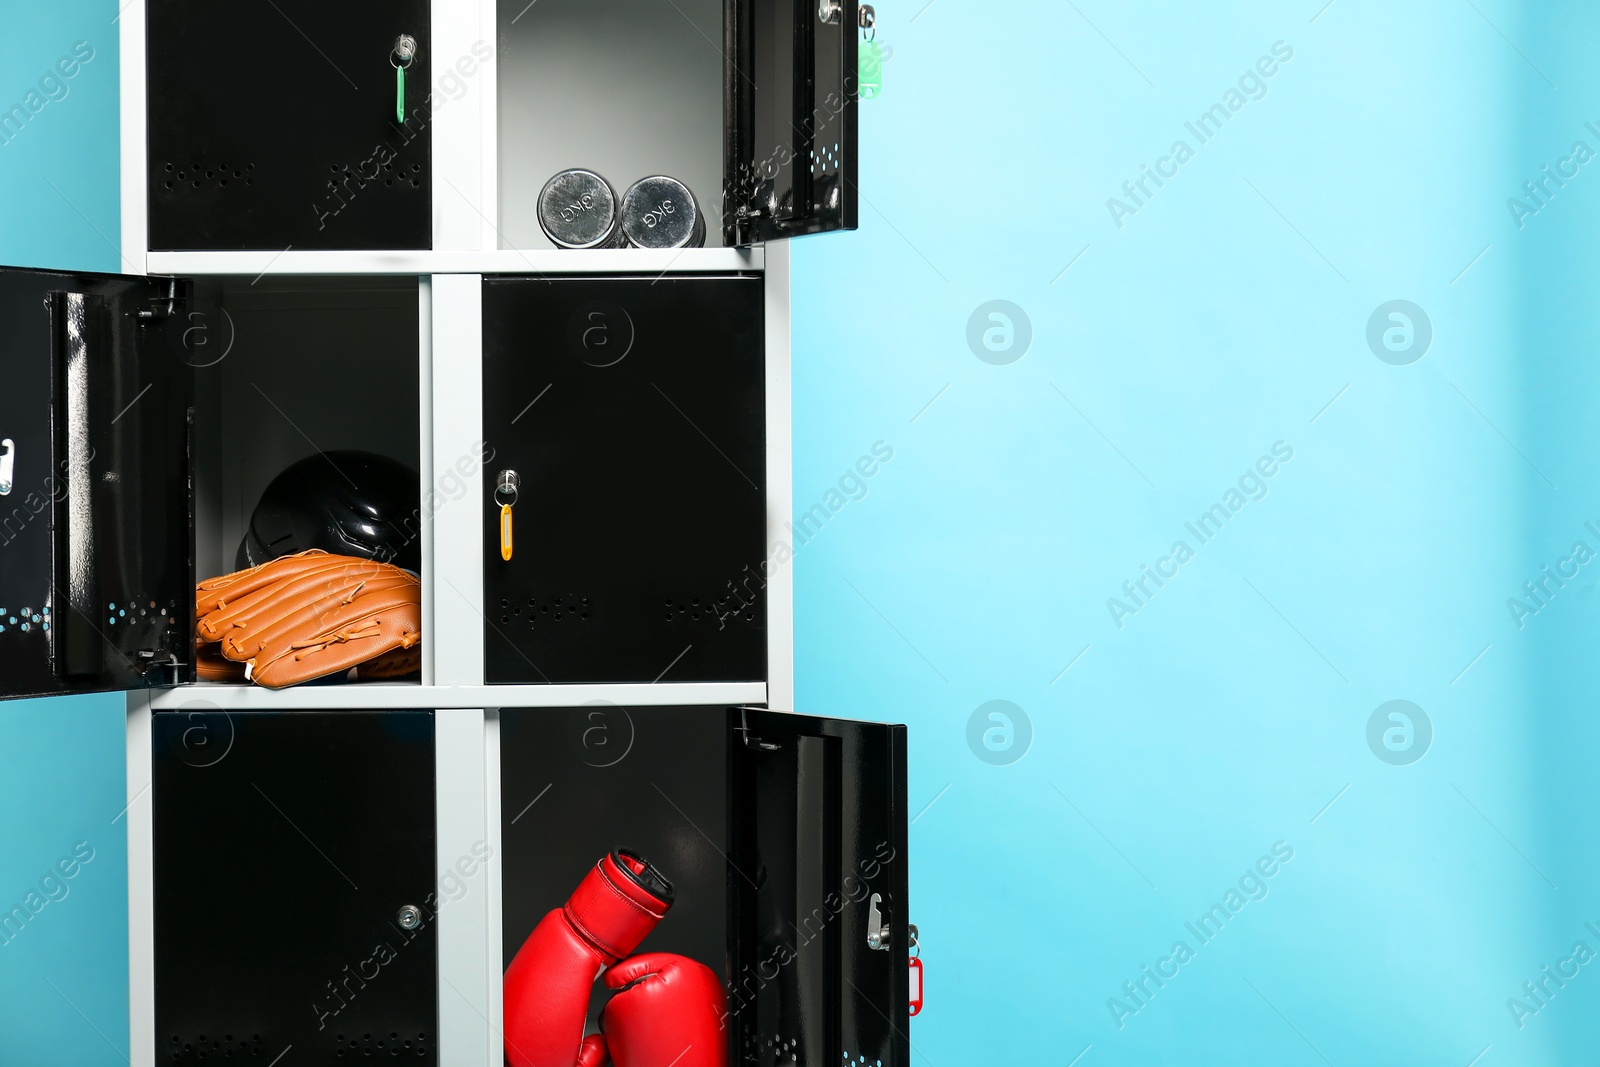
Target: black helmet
352 503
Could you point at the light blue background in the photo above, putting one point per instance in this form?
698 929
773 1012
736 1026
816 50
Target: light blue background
64 978
1226 715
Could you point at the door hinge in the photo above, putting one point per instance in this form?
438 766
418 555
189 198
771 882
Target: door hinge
164 674
163 307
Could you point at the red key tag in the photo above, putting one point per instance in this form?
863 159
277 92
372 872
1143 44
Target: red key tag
916 985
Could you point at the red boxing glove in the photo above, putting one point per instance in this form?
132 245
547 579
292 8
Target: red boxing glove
592 1053
548 983
668 1011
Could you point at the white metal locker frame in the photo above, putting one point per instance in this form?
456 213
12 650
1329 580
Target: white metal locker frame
467 766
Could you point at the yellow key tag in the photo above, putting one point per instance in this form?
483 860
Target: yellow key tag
505 531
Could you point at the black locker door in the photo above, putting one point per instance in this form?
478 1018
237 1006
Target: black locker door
820 822
274 123
288 848
96 555
791 145
632 411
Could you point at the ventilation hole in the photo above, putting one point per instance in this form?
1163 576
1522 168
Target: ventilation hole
505 618
168 169
416 168
415 184
211 174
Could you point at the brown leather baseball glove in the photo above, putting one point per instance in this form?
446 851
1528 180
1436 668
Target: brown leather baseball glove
308 616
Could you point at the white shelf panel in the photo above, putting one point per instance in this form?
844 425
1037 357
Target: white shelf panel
361 695
504 261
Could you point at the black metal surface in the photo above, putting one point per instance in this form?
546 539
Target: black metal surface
285 845
820 826
576 783
96 555
633 410
272 123
791 147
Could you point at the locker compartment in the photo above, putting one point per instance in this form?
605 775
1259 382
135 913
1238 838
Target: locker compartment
631 413
294 886
784 838
296 370
749 103
276 125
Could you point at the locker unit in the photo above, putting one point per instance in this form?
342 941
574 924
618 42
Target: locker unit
324 256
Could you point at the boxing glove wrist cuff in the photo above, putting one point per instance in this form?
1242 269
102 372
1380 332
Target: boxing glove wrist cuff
618 902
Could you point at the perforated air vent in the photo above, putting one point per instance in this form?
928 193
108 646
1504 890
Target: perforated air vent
825 160
725 609
214 1046
394 175
539 611
178 176
25 619
394 1045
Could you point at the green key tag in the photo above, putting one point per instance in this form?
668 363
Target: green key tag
869 59
400 94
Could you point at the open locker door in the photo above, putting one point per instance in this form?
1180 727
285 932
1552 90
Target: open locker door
820 969
96 552
791 83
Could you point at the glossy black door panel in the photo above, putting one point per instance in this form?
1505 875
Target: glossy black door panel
632 411
273 123
286 846
820 810
96 573
792 87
